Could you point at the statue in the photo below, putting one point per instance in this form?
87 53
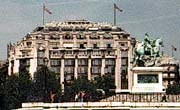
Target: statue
146 52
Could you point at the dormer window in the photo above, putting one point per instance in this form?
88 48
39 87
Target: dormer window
107 36
94 36
95 46
82 46
28 44
79 36
67 36
109 45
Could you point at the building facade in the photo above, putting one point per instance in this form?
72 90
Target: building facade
75 49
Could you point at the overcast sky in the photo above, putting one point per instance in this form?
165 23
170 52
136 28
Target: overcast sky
160 18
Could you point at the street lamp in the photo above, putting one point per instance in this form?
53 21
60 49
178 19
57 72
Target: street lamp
45 78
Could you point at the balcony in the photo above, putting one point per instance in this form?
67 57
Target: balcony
110 55
56 55
83 55
96 54
25 56
27 48
69 56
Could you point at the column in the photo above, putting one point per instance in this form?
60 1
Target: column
16 66
102 66
9 68
33 67
130 74
62 75
76 69
89 69
118 71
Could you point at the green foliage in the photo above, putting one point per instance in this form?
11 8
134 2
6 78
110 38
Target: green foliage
18 88
24 84
106 82
44 83
173 88
78 85
12 99
3 77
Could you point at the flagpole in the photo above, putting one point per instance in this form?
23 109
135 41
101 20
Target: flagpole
172 52
114 15
43 13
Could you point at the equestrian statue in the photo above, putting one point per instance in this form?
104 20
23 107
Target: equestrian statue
147 51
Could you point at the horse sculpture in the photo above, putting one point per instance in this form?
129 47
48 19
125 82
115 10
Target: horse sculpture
147 51
156 47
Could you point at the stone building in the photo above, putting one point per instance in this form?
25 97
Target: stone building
76 48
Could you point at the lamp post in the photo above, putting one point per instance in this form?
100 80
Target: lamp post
45 78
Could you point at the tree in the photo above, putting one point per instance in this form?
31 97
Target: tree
12 99
24 84
44 83
3 78
105 82
173 88
79 85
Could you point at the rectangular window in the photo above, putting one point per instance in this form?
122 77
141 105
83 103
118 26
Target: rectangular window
124 61
54 45
69 62
124 53
82 62
82 70
55 62
69 70
96 70
55 69
109 45
110 62
109 69
28 44
40 61
41 54
96 62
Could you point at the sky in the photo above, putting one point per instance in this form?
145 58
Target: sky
158 18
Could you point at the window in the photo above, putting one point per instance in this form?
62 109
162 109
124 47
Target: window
81 46
79 36
107 36
96 62
110 62
124 61
109 69
82 62
96 70
41 54
69 70
69 62
94 36
82 70
109 45
67 36
40 61
28 44
55 69
55 62
95 46
124 53
54 45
